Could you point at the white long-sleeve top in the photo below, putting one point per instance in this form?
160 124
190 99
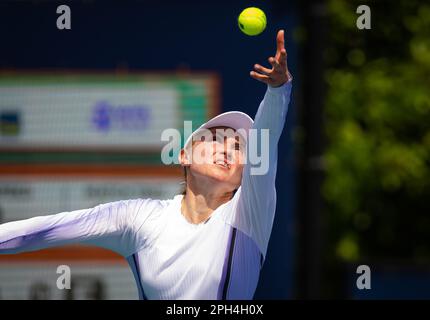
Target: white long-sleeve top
170 257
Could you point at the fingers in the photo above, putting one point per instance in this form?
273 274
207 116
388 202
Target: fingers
280 42
283 57
259 77
262 69
279 72
275 64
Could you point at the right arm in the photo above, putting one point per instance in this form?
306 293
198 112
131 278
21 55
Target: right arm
255 200
107 225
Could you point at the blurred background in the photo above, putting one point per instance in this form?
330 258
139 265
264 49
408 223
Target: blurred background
82 112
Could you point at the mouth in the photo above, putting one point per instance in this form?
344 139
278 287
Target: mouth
222 164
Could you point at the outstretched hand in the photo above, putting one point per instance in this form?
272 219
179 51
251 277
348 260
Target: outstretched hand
278 74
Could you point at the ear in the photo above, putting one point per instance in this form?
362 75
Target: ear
183 158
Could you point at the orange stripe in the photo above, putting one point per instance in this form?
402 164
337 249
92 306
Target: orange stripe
67 253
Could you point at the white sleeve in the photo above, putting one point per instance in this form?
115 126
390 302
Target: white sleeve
254 203
109 225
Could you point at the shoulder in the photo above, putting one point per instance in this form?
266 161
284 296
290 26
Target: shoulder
141 209
146 217
143 203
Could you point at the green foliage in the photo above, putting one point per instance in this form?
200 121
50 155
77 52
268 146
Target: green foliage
377 184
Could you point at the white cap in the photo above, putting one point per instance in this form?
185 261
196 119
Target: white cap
233 119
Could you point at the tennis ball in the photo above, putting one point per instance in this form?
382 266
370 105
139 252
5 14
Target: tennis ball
252 21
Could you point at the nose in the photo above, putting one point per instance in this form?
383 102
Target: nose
229 151
225 150
226 154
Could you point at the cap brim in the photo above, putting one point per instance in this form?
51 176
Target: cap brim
233 119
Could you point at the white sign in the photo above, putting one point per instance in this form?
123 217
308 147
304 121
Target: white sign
87 115
22 198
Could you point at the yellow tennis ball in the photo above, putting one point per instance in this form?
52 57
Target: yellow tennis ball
252 21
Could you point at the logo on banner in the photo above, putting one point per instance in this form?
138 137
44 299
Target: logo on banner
9 123
108 117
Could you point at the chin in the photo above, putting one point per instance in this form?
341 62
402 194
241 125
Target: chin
219 174
224 175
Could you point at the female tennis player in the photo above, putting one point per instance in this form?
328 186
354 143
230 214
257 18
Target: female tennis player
209 242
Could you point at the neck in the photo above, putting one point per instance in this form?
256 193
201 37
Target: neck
197 206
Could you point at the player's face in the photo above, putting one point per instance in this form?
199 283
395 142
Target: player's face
221 158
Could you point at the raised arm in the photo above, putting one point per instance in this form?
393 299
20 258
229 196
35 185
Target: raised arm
256 198
107 225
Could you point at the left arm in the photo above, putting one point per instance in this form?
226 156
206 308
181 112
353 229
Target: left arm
256 198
